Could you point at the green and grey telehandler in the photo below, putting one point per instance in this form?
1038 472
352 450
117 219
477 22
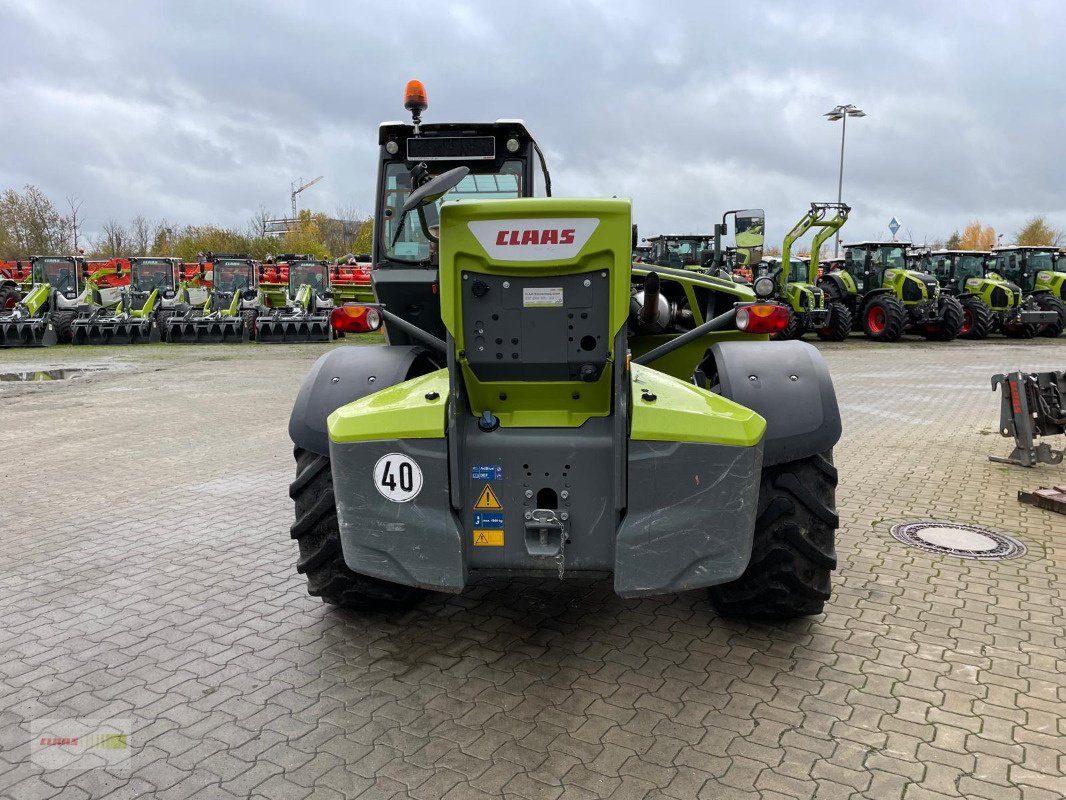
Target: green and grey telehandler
43 315
888 298
989 303
306 317
1034 270
133 319
543 407
809 307
228 315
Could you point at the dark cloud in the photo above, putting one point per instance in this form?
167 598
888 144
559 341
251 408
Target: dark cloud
205 111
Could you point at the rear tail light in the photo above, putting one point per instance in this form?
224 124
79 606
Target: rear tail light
762 318
355 319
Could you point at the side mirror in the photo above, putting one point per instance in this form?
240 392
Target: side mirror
434 189
750 226
168 293
635 238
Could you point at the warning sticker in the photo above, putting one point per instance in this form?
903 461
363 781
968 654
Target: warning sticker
486 472
488 538
487 520
487 500
542 296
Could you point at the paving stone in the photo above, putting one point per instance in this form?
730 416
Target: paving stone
172 600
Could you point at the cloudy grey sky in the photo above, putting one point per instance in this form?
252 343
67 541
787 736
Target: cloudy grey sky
205 111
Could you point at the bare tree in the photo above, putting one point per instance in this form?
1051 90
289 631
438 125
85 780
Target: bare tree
256 228
75 206
140 234
114 239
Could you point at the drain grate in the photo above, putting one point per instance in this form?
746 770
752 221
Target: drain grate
953 539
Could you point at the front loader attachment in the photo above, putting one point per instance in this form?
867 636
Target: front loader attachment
206 330
27 332
292 329
115 330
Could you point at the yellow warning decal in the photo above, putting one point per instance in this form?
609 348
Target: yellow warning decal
488 501
488 538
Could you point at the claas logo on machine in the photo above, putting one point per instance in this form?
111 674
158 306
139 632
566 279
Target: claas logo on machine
535 236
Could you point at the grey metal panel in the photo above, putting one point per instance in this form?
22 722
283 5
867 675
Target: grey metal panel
691 516
576 461
416 543
340 376
506 339
788 384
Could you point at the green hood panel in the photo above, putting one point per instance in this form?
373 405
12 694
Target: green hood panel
404 411
682 412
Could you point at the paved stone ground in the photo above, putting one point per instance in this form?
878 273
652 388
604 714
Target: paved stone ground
147 573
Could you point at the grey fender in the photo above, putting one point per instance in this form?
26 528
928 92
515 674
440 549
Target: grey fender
788 384
340 376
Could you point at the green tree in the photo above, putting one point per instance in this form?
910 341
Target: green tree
1037 233
364 240
30 224
954 241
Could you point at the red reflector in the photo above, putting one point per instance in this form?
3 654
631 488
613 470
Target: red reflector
355 319
762 318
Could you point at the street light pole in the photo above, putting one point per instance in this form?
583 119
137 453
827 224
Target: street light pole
842 113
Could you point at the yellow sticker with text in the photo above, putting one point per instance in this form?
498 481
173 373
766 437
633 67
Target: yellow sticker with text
488 538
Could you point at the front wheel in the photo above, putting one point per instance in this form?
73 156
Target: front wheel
1049 302
883 318
794 551
976 319
249 316
952 318
839 323
63 322
318 536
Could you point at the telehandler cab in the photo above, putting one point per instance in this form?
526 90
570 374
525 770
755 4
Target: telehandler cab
544 407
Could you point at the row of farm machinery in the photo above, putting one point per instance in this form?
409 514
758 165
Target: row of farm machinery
226 298
886 288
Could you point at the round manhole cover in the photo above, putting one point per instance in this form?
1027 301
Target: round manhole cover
953 539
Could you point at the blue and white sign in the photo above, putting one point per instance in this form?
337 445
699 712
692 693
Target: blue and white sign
486 472
489 520
894 226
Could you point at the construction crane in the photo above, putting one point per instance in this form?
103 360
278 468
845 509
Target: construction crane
296 191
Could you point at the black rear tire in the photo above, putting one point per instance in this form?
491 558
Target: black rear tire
794 551
318 536
977 319
1049 302
839 326
63 322
952 317
9 297
883 318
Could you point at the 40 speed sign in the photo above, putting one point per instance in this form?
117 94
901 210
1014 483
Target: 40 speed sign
397 477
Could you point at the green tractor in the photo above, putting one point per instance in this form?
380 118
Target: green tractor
43 315
133 319
229 313
306 315
542 407
989 303
809 308
1033 271
890 299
